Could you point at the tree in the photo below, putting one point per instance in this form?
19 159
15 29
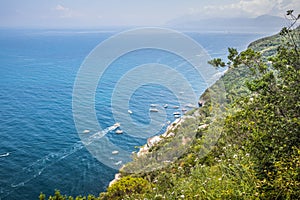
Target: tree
269 119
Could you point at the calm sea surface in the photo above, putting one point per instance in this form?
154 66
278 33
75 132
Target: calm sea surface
40 149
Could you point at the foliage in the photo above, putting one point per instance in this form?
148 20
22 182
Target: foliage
59 196
258 153
126 187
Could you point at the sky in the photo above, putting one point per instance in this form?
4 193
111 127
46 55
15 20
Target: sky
106 13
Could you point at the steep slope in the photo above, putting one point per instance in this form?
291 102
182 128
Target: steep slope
256 124
257 154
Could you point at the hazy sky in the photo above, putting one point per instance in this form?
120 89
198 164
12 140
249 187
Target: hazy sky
97 13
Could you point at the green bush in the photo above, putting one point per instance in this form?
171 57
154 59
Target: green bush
126 187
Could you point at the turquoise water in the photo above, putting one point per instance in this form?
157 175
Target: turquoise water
40 149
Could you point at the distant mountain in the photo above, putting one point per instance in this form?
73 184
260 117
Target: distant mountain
263 23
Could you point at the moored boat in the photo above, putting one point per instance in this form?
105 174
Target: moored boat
153 110
119 131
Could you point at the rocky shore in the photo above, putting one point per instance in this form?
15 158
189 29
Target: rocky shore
151 142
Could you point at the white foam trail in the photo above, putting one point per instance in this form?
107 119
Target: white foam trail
99 134
36 168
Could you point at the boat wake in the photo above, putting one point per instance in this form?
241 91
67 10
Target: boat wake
36 168
98 135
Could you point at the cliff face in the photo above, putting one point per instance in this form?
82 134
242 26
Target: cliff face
235 147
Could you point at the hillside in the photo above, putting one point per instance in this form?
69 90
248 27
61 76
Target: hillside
243 144
256 156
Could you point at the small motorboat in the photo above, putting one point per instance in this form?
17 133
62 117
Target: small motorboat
118 163
119 131
116 125
86 131
130 112
153 110
114 152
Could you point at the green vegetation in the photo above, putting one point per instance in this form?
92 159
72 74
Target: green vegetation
257 155
127 187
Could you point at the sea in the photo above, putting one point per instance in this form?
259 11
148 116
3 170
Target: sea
40 148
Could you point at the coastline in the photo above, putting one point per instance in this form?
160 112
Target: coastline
152 141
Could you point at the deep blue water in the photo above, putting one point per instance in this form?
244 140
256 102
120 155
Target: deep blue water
40 149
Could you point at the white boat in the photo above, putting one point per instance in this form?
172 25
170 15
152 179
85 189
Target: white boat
129 111
166 105
118 163
119 131
153 105
116 125
114 152
176 107
86 131
176 113
153 110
